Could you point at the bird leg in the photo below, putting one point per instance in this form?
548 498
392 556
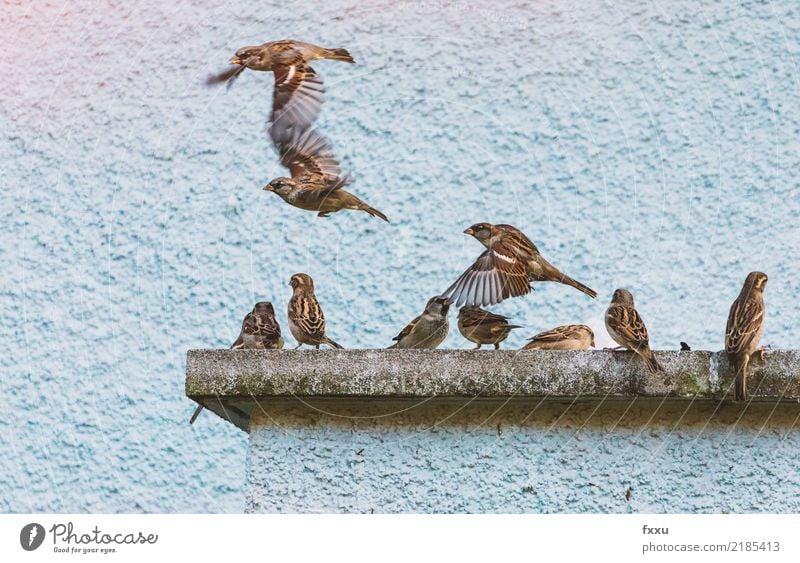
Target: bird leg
298 346
496 345
324 214
763 351
478 347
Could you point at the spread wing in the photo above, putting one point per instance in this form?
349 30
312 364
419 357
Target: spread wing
744 325
309 153
496 275
296 101
407 330
307 314
627 323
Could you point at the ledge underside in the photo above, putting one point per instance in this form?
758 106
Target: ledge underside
231 382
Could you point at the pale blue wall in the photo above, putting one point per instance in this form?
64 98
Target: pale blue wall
647 146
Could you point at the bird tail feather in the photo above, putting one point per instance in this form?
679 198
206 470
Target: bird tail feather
338 55
579 286
331 343
740 383
651 363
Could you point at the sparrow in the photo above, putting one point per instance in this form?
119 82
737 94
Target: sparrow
306 320
260 331
627 328
506 269
745 328
685 347
316 183
297 97
567 337
483 327
429 329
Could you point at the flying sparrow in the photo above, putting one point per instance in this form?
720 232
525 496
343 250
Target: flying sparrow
260 331
306 320
567 337
511 261
316 183
483 327
429 329
627 328
745 328
298 89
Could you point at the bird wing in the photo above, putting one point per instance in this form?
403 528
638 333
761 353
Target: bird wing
496 275
267 327
627 323
309 153
517 240
307 314
296 101
473 316
408 328
559 333
744 324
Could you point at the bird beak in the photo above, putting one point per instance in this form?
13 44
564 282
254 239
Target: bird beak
236 61
469 231
269 188
446 301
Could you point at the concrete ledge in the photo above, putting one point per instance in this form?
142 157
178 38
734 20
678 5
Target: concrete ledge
232 382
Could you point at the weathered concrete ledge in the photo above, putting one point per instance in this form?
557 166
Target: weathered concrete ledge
232 382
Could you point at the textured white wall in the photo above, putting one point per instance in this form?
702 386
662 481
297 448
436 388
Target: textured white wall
648 146
529 457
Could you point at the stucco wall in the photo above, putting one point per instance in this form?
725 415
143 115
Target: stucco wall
652 146
523 457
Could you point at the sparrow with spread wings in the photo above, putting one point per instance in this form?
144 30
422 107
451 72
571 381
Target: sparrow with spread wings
626 328
567 337
260 331
306 320
506 269
745 329
316 183
298 89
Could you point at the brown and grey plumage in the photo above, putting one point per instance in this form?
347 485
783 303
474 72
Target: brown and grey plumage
627 328
260 331
483 327
745 329
316 183
506 269
429 329
306 320
298 90
567 337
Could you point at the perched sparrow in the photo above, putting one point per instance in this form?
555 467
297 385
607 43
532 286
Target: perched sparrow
745 328
483 327
627 328
298 89
427 330
685 347
316 183
260 331
505 269
568 337
306 320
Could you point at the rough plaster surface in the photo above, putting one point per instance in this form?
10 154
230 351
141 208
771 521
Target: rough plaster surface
649 146
537 457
